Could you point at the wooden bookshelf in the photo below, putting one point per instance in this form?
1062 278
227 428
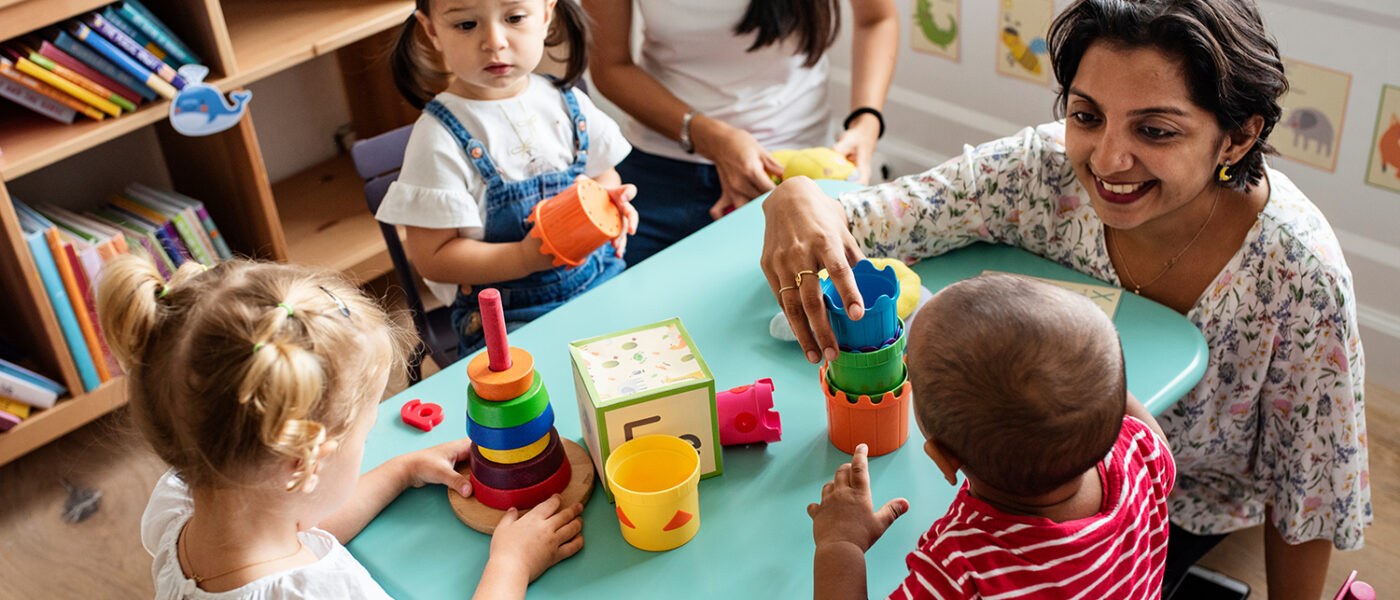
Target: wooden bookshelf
315 217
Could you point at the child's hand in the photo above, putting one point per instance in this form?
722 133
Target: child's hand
438 465
845 513
622 196
537 540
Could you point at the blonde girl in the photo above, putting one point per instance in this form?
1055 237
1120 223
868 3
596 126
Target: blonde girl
494 140
258 383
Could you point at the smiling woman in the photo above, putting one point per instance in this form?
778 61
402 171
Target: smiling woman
1155 181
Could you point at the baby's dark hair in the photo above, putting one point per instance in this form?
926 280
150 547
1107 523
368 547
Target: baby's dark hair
419 73
1231 63
232 367
1020 380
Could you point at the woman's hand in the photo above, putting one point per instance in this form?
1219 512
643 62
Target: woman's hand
438 464
857 144
744 167
805 231
846 513
525 546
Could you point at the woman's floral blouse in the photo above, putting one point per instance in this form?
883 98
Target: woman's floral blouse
1277 419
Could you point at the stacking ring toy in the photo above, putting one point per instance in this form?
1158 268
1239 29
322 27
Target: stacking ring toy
515 411
511 437
523 497
499 386
523 474
513 455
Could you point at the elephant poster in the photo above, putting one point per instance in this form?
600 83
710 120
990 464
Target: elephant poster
1383 170
937 26
1313 110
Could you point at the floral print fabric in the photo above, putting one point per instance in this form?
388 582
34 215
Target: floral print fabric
1276 421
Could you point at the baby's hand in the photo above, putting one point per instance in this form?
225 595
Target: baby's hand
845 513
438 465
540 538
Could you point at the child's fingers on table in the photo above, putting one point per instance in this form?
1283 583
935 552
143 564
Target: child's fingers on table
568 548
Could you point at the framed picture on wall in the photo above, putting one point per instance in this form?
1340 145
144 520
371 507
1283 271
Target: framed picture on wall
1383 169
937 28
1021 49
1313 112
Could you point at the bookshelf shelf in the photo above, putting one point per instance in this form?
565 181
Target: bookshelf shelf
315 217
271 35
326 222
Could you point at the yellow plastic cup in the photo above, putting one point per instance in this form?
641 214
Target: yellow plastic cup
655 480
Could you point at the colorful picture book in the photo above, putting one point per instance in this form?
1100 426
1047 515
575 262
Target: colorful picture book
70 248
100 64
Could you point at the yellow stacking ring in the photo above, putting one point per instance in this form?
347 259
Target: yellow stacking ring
515 455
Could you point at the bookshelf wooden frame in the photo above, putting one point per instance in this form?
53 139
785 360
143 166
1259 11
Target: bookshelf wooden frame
315 217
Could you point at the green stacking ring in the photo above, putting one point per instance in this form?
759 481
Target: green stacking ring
516 411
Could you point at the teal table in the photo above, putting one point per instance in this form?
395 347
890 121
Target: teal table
755 538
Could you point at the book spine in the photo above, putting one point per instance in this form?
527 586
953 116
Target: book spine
20 390
62 58
82 81
9 420
87 55
220 245
8 70
119 58
28 67
134 50
66 263
63 309
36 102
132 32
14 407
143 19
32 377
191 240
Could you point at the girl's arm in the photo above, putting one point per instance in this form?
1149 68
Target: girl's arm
441 255
742 163
377 488
874 48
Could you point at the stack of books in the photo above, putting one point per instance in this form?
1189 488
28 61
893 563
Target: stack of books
69 250
21 391
102 64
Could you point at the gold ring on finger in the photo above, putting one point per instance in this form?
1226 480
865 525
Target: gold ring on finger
786 288
801 273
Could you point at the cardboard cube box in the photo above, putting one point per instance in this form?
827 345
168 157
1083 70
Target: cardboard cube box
641 381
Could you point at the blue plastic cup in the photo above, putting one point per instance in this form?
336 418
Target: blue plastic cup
879 289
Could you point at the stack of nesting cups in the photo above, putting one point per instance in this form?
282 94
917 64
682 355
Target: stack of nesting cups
517 459
867 387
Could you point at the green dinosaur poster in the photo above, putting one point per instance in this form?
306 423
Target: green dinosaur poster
937 27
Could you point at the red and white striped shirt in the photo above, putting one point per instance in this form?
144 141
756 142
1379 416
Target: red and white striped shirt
977 551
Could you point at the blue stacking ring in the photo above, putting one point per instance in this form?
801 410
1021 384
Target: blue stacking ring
510 438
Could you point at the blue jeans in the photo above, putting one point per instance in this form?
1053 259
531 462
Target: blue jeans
673 200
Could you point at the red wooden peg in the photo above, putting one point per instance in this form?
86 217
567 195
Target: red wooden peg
493 323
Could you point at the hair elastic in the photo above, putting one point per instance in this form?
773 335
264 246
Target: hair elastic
289 309
258 346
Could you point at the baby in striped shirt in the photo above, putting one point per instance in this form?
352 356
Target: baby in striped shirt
1020 385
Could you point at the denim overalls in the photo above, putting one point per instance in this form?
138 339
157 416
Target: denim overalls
508 203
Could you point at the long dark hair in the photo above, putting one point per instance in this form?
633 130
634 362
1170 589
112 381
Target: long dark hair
1232 63
814 22
419 73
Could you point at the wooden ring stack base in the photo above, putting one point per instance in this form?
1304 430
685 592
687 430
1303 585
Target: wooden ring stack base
483 518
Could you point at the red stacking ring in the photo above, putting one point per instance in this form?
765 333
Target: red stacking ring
521 474
523 498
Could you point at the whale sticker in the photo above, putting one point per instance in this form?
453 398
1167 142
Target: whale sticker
200 109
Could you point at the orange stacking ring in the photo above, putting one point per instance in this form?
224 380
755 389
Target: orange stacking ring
499 386
881 423
514 455
523 498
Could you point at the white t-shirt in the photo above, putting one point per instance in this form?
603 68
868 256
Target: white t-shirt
691 49
337 575
529 134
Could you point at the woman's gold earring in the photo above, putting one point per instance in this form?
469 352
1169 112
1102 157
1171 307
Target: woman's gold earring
1224 172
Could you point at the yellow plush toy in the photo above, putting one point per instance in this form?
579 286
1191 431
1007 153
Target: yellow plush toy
816 163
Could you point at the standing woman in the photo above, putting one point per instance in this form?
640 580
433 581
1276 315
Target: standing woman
1156 181
722 83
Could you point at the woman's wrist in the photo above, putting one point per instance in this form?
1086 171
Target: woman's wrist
865 124
868 117
707 134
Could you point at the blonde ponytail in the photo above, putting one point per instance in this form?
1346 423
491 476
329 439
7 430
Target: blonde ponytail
127 307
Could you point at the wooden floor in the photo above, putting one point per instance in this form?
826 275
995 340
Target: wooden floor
43 557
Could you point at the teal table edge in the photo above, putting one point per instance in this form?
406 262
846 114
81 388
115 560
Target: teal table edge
755 536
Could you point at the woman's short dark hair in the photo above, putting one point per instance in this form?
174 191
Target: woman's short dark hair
814 23
1232 64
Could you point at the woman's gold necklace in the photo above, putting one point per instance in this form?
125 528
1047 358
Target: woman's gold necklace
1137 289
185 559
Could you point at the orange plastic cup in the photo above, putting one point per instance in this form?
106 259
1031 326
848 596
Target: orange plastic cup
881 422
577 221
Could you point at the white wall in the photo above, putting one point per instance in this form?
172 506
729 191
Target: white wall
935 106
